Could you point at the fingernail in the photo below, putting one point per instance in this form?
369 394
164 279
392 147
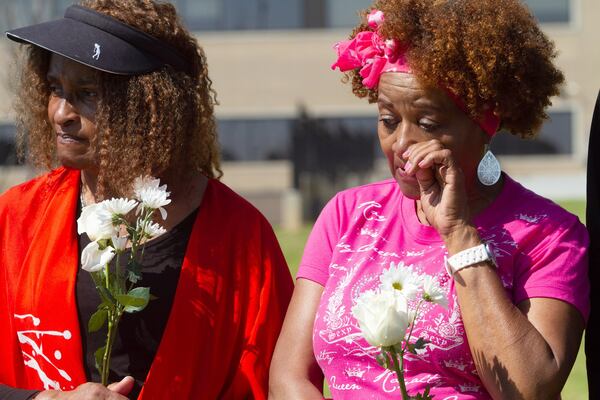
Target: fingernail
406 153
422 163
407 166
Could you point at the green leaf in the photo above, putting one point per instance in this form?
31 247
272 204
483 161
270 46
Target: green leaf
98 357
133 277
134 270
106 296
136 300
97 320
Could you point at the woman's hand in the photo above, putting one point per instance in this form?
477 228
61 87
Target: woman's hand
91 391
442 186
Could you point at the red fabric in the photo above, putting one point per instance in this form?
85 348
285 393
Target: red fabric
228 309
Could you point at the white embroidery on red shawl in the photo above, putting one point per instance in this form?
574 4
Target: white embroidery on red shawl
35 355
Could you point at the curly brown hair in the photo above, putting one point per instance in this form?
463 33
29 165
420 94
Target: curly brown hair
159 123
491 53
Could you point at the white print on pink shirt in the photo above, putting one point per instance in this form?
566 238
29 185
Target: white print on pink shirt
364 229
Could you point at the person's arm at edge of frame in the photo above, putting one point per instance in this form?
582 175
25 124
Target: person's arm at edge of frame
548 328
593 225
294 372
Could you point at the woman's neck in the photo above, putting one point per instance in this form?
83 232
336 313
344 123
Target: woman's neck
89 187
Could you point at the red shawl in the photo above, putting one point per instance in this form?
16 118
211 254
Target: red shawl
230 302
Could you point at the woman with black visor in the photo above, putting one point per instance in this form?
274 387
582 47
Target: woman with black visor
114 90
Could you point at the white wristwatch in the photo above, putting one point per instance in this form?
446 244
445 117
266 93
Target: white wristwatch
468 257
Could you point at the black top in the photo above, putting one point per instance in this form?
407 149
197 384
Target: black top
592 338
139 334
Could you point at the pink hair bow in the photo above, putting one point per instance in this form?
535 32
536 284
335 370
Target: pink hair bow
369 52
375 56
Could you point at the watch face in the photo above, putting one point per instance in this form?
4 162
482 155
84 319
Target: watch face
489 248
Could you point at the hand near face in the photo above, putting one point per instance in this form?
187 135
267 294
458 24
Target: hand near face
441 184
433 149
91 391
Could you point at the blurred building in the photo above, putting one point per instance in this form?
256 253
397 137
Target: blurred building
270 62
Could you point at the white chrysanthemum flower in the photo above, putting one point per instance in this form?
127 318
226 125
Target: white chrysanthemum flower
120 206
96 221
382 317
433 293
93 259
400 278
154 230
148 190
119 242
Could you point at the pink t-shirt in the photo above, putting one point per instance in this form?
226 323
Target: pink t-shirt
540 249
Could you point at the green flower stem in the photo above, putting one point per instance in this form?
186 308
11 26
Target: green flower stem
113 321
107 276
412 326
399 368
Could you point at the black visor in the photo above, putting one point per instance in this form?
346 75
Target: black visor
101 42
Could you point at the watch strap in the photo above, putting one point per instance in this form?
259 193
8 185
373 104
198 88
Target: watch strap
468 257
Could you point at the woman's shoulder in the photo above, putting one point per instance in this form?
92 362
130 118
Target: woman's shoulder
523 202
224 201
33 190
531 217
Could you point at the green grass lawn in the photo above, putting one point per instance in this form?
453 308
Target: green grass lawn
292 244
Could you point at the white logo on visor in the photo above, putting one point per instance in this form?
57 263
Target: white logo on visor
96 55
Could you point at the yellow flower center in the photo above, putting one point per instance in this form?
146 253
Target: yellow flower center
397 285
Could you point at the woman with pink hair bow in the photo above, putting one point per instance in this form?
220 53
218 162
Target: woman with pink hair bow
512 266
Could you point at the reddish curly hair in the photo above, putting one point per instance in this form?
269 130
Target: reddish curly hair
159 123
490 53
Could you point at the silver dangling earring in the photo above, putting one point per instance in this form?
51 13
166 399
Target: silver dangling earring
488 170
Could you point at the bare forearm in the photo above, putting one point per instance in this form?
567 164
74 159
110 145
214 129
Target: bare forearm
294 372
290 384
512 358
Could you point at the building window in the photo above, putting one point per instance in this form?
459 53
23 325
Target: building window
551 11
201 15
344 13
272 139
555 137
8 155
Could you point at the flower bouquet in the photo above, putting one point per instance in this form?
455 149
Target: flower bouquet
387 317
109 228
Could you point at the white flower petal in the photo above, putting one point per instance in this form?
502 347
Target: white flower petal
433 293
120 206
154 230
382 317
400 278
93 259
163 212
119 242
96 221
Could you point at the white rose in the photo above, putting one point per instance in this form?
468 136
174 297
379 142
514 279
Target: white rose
382 317
96 221
93 259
